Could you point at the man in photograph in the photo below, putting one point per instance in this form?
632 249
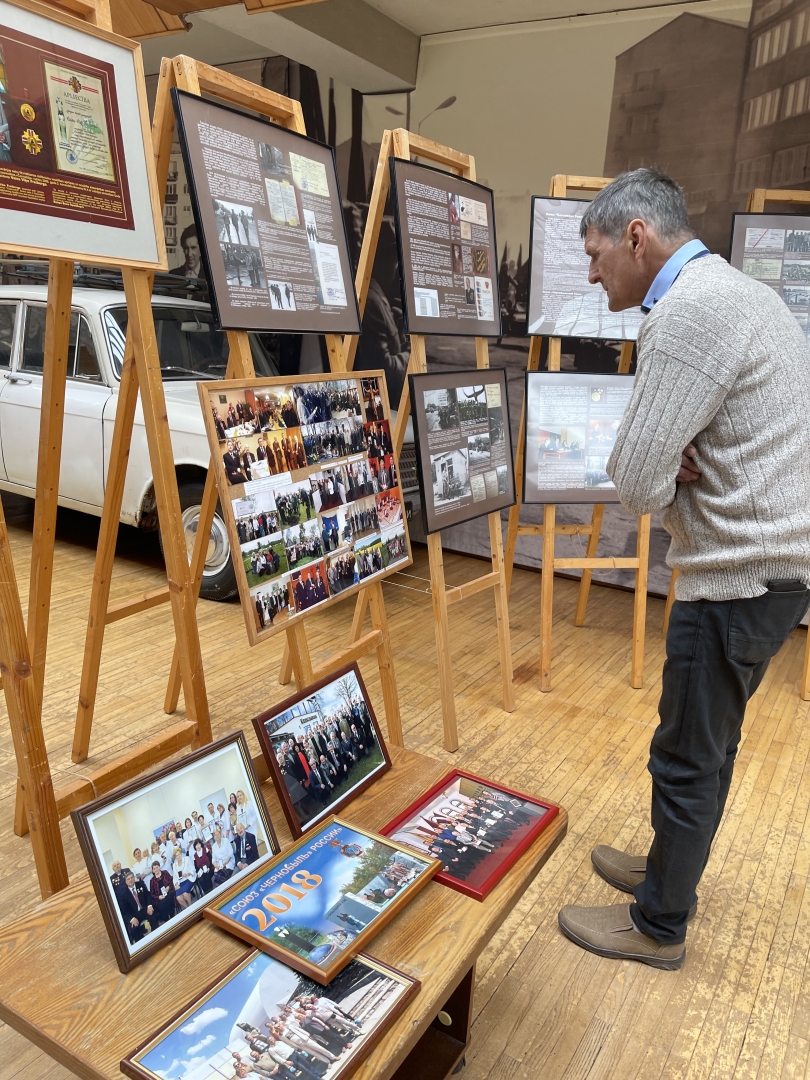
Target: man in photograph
192 267
136 907
245 849
717 435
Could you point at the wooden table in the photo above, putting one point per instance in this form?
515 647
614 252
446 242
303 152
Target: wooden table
61 988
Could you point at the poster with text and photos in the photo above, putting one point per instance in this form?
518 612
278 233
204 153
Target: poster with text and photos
571 424
309 486
463 445
75 179
775 249
562 302
162 847
270 222
323 746
448 256
261 1018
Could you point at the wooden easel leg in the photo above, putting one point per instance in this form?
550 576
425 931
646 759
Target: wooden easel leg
514 511
299 655
20 812
385 661
137 286
105 551
442 627
804 687
286 673
25 719
669 603
590 552
502 613
640 603
547 595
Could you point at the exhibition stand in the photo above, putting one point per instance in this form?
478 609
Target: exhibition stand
549 529
86 1014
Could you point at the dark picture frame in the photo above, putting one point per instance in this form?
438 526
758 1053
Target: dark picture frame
489 880
778 261
315 853
94 829
287 784
216 996
279 314
433 441
459 187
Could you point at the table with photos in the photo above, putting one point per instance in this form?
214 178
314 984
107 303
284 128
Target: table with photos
61 988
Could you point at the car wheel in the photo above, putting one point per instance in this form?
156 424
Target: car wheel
219 580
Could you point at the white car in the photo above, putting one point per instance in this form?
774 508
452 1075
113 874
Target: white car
190 349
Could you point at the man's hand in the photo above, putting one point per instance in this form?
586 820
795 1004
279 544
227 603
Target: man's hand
688 470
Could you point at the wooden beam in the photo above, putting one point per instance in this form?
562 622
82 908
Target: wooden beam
148 600
470 588
593 532
141 20
547 596
605 563
364 645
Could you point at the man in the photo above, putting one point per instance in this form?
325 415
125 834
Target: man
245 848
192 267
717 433
136 908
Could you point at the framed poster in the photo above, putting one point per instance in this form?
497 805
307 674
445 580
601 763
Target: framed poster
775 249
76 163
262 1018
571 424
562 302
270 222
323 746
478 829
162 847
319 903
448 256
463 445
309 487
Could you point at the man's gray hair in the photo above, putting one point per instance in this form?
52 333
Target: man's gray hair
648 194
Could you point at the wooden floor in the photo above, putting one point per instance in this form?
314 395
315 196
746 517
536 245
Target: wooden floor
545 1010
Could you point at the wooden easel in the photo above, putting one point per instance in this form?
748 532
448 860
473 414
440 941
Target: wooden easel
756 205
401 143
38 808
197 78
548 528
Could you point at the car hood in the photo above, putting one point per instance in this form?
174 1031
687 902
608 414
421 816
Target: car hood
183 405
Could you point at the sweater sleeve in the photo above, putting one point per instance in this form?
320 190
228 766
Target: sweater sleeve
673 400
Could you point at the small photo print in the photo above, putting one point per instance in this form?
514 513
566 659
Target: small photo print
344 401
469 291
453 208
329 489
383 472
309 586
472 404
441 409
497 430
335 529
393 543
458 262
255 516
473 211
798 272
312 402
264 559
295 504
333 439
478 451
303 544
450 475
796 297
480 260
362 518
426 302
271 602
377 439
796 240
235 223
372 400
243 266
360 480
369 556
341 572
503 479
284 451
233 414
271 159
389 508
282 297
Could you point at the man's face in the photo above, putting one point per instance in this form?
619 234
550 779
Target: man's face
130 879
240 829
116 867
191 250
617 267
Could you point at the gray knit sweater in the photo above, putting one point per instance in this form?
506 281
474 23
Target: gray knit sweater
722 364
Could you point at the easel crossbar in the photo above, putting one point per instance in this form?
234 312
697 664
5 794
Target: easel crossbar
470 588
138 603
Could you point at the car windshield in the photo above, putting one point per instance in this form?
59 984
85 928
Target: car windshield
188 345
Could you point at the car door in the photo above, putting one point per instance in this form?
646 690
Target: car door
8 322
81 475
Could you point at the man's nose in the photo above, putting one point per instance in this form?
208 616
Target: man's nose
593 275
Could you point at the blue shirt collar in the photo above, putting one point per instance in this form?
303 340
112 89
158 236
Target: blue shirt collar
666 276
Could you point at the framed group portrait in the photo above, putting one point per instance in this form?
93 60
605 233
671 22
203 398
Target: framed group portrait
162 847
319 903
76 162
463 445
309 486
263 1018
477 829
323 746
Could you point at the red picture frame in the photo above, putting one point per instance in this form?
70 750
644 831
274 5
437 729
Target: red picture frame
496 868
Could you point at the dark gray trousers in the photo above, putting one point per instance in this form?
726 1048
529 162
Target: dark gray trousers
717 655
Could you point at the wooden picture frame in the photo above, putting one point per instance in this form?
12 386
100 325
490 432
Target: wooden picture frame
123 92
216 996
485 882
99 822
312 853
381 492
286 787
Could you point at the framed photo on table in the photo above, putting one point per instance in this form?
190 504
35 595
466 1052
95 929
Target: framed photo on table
463 445
319 903
476 828
253 1016
162 847
76 160
323 746
309 488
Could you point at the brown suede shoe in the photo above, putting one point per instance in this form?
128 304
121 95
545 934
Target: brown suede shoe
609 931
623 871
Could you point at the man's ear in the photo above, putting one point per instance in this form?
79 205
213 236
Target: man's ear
637 236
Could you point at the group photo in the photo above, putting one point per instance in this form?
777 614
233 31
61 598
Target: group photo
303 544
295 503
166 847
472 405
333 439
308 585
325 746
344 401
270 601
235 223
329 489
256 516
265 558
